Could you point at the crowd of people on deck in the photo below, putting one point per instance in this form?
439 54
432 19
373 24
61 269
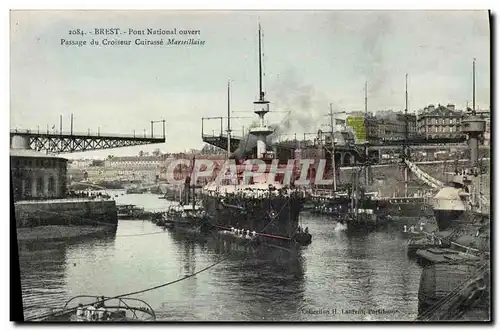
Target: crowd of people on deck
247 234
257 193
241 233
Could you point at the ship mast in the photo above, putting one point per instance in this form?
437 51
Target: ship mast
405 147
367 166
366 98
334 172
228 119
474 87
261 109
261 92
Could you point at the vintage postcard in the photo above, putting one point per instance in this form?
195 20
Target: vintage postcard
250 165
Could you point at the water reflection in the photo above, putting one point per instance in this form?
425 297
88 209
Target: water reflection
337 271
359 271
45 268
253 283
270 285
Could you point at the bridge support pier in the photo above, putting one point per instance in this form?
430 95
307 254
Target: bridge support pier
20 142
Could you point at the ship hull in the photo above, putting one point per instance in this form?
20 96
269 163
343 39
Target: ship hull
447 218
269 215
282 255
409 209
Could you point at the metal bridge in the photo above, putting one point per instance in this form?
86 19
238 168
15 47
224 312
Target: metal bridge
374 150
221 141
71 142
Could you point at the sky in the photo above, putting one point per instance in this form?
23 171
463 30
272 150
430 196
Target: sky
311 59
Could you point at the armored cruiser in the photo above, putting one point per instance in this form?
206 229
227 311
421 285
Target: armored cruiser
262 208
461 196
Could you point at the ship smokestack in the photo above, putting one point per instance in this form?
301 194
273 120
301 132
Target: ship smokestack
473 125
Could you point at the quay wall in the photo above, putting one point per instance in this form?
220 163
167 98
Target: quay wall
66 212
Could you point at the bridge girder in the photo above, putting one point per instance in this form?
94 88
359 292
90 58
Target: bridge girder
70 143
221 141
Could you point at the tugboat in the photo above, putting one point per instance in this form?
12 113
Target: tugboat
104 310
135 190
187 215
270 209
131 212
362 212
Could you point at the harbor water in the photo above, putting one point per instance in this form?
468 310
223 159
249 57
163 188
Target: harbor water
339 277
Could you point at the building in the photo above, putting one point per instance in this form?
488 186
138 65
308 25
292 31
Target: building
127 168
133 162
36 175
391 125
384 125
357 121
372 132
143 168
80 164
439 122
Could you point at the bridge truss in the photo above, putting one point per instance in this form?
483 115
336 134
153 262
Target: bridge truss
75 142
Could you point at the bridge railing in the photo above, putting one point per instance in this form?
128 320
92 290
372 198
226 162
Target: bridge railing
54 133
217 134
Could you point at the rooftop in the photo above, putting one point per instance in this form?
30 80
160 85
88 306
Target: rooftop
135 158
440 110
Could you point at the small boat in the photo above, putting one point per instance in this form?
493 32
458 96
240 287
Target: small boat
127 212
135 190
103 309
418 243
189 218
155 190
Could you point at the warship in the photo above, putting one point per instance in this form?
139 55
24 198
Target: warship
461 199
260 209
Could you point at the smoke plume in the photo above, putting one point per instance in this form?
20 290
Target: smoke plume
301 110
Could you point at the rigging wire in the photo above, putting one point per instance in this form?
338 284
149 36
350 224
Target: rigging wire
139 234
